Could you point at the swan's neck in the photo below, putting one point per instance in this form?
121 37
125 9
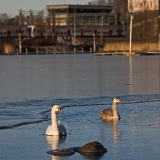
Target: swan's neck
114 108
54 120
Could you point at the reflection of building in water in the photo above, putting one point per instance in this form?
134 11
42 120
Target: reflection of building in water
141 5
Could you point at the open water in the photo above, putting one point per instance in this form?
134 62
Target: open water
83 85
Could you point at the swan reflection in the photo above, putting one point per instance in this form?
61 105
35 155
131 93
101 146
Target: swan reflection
114 124
54 142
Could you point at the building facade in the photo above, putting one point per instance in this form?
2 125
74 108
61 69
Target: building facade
66 15
141 5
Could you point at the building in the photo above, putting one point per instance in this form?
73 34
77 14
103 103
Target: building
90 20
82 15
141 5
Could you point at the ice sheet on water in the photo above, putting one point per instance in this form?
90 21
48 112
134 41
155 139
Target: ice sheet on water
135 107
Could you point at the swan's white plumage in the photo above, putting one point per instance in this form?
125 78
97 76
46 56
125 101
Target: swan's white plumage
56 128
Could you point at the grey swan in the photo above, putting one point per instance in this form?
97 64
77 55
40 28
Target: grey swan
109 114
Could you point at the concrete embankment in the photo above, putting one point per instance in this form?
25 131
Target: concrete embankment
50 46
41 46
11 46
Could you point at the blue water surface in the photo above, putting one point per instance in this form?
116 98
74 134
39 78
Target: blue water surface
83 85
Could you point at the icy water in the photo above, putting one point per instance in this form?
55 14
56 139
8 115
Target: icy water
83 85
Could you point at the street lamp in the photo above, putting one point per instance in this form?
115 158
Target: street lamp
131 11
94 44
130 38
144 11
159 41
46 24
20 45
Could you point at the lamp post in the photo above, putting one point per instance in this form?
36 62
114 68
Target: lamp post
144 11
20 46
52 23
101 25
46 24
159 41
74 23
131 11
94 44
130 37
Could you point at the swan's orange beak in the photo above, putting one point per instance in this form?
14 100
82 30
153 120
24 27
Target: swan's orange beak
60 110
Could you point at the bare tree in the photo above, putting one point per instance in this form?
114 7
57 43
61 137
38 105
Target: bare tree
111 2
99 2
121 9
4 17
39 18
102 2
145 26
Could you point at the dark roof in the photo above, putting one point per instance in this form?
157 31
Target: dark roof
79 8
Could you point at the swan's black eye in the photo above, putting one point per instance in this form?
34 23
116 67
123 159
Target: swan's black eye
59 109
118 98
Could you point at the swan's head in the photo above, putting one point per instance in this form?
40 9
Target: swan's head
117 100
57 108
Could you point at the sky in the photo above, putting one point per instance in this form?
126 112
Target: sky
12 7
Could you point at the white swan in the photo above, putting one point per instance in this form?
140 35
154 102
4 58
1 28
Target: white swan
111 113
55 129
